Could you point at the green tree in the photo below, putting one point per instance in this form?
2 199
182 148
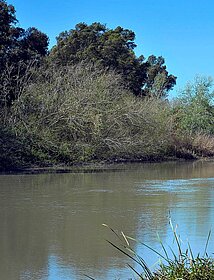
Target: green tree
113 48
194 108
158 81
18 48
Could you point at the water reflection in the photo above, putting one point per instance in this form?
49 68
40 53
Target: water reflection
51 223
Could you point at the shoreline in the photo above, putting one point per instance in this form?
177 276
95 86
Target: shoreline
96 166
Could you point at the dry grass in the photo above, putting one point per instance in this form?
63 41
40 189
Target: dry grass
203 144
193 145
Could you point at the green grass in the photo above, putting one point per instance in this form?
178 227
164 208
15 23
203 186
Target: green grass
183 265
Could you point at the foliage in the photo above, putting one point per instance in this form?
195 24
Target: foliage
14 152
81 113
113 48
18 48
194 108
201 268
193 114
75 104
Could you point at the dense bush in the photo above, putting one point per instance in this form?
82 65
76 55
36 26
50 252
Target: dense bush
81 113
11 150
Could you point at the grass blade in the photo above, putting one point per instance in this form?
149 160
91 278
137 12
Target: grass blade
89 277
163 247
135 271
191 253
146 268
147 246
118 236
122 251
208 238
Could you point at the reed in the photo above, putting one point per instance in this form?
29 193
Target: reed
182 265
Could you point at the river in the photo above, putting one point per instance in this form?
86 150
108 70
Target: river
51 224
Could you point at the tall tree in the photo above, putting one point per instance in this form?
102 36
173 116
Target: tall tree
113 48
18 47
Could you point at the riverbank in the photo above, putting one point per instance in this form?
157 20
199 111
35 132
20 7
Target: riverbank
100 166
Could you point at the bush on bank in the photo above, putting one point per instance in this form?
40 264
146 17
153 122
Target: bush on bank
82 113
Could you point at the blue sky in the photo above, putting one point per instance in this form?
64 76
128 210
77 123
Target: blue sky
180 31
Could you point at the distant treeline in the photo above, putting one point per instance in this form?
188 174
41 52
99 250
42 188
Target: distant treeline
90 98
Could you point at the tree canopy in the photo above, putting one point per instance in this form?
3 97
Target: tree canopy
114 48
17 48
107 48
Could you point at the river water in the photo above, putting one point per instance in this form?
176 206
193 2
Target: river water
51 224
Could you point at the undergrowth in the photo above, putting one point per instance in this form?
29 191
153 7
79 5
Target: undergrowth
81 113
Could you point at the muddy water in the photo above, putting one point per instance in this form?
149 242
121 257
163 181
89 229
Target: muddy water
51 224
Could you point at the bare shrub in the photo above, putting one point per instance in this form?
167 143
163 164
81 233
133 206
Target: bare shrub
79 113
141 129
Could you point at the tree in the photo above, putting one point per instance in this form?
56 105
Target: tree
194 108
158 81
113 48
18 48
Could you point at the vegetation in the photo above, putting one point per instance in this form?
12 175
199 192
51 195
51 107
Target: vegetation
182 265
193 114
18 49
81 113
194 109
113 49
92 99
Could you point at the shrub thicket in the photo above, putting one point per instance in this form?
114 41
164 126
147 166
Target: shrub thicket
81 113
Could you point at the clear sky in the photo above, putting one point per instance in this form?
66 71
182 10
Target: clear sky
180 31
